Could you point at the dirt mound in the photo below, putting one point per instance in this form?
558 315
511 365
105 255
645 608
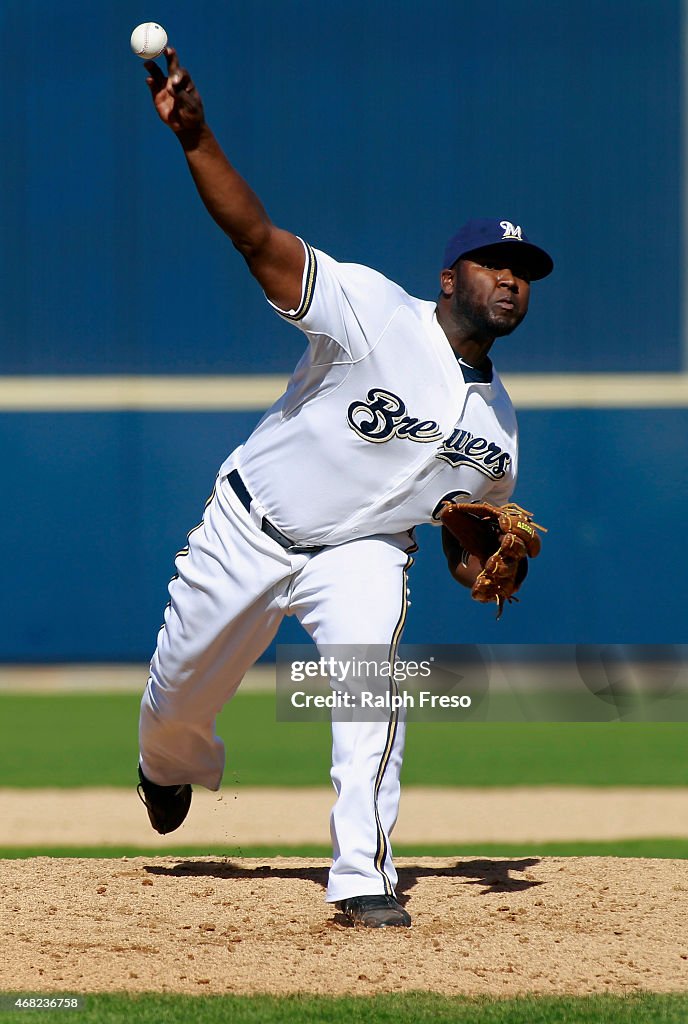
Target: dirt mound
497 926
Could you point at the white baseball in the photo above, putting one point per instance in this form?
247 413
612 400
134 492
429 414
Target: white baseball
148 40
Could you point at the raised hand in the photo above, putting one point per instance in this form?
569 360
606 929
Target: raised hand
275 257
175 96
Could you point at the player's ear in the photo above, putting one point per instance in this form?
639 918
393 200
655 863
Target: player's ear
447 280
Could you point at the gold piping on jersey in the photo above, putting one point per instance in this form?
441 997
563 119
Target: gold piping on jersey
382 844
309 288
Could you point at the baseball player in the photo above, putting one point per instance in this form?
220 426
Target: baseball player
393 409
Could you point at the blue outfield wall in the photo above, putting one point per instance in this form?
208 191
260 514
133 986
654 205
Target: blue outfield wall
371 127
96 506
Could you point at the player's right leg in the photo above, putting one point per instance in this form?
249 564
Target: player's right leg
226 603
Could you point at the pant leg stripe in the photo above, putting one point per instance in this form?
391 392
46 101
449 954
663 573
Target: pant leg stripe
185 550
382 845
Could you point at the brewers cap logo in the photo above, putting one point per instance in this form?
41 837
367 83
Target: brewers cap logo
511 231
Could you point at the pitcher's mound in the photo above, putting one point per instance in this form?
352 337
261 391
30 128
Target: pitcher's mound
480 926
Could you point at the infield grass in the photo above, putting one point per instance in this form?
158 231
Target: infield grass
671 849
408 1008
76 740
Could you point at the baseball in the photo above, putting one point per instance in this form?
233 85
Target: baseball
148 40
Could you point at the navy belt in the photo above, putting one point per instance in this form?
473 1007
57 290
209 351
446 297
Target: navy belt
244 496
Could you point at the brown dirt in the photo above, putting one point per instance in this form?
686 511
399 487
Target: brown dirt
245 815
481 926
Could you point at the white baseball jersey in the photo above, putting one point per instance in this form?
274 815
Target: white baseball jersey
380 419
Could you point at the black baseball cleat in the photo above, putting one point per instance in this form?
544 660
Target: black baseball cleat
167 806
375 912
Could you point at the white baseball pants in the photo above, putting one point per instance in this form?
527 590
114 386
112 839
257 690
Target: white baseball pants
233 586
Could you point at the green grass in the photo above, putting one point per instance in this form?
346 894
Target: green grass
672 849
84 740
411 1008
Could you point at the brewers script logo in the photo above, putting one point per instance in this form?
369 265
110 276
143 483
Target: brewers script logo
383 416
465 449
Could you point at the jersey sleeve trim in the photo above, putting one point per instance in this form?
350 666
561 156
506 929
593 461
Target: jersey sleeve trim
310 274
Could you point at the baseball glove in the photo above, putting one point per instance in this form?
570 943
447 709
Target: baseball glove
502 538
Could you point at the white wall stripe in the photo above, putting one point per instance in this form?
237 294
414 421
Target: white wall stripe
148 394
255 393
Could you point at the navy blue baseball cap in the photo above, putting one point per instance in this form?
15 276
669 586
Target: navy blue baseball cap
492 235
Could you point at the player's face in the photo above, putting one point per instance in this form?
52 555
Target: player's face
491 294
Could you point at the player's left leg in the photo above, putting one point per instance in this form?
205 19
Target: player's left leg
353 600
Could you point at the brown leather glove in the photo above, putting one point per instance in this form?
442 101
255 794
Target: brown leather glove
502 537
